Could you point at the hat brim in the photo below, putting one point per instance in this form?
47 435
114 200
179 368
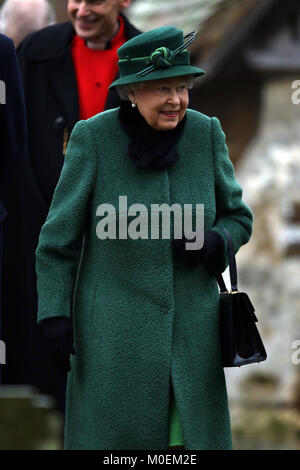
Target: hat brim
158 74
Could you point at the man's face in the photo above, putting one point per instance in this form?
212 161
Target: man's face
94 19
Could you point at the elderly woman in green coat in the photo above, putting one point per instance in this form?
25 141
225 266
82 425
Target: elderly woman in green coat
131 310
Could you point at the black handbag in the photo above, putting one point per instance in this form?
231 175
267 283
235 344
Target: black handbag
241 343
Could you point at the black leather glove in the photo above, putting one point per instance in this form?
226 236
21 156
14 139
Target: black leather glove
58 334
212 248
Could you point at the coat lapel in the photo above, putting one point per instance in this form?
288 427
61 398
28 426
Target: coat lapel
60 73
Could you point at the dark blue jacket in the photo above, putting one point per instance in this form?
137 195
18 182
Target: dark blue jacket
51 99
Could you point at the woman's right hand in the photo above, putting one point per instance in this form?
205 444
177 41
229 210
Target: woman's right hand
58 334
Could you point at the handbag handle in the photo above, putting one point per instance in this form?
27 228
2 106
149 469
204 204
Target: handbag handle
232 267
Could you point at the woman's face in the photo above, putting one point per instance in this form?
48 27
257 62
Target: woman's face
162 103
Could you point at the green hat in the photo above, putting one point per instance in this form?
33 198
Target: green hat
156 54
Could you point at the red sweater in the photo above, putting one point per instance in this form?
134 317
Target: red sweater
95 71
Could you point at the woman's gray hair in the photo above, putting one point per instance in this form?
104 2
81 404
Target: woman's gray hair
124 90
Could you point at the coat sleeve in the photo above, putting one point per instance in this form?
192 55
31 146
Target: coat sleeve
231 211
58 251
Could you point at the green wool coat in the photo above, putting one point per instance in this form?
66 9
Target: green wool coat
141 318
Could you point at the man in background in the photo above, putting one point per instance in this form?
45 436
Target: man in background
66 71
18 18
12 130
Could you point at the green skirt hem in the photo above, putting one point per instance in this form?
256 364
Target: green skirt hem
175 429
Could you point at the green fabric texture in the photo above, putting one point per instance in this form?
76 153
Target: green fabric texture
154 47
141 318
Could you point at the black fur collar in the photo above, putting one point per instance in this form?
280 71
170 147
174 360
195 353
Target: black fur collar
149 148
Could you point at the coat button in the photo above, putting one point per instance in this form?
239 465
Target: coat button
59 122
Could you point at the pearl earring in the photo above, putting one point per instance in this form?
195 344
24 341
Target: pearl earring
133 105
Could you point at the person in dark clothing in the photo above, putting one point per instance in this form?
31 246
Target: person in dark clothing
66 71
12 130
